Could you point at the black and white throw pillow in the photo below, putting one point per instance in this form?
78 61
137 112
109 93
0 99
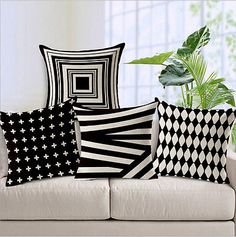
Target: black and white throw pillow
193 142
116 143
89 76
40 143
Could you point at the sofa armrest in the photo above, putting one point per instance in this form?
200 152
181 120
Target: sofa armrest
231 170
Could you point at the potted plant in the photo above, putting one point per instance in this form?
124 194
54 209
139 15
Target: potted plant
187 68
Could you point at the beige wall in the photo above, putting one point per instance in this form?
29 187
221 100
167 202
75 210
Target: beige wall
64 24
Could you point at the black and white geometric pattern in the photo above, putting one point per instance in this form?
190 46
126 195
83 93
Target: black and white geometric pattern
116 143
89 76
40 143
193 142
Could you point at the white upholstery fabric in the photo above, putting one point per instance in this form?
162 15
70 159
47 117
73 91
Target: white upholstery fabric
155 133
116 228
231 170
3 155
171 198
78 135
59 198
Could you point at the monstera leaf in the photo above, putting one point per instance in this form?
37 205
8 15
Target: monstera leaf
195 42
157 59
175 74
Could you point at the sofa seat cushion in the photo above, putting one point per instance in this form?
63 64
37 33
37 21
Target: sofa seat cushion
59 198
171 198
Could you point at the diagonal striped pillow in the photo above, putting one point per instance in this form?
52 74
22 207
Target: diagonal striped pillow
116 143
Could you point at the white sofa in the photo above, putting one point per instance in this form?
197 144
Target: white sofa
166 206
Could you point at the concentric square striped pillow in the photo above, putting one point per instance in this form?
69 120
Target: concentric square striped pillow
116 143
89 76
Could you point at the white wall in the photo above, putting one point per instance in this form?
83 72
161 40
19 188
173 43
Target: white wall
64 24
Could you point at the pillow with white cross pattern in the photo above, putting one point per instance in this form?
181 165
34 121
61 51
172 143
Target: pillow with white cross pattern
40 143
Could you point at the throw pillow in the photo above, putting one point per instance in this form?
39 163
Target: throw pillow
40 143
116 143
193 142
90 76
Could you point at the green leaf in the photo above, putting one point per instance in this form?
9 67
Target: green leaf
157 59
212 93
175 75
234 135
195 42
228 94
216 96
196 66
209 91
216 93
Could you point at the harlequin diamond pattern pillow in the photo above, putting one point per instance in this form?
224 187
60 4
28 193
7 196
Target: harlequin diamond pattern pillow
193 142
89 76
41 143
116 143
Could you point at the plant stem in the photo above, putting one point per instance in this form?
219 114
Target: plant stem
182 91
191 96
187 95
